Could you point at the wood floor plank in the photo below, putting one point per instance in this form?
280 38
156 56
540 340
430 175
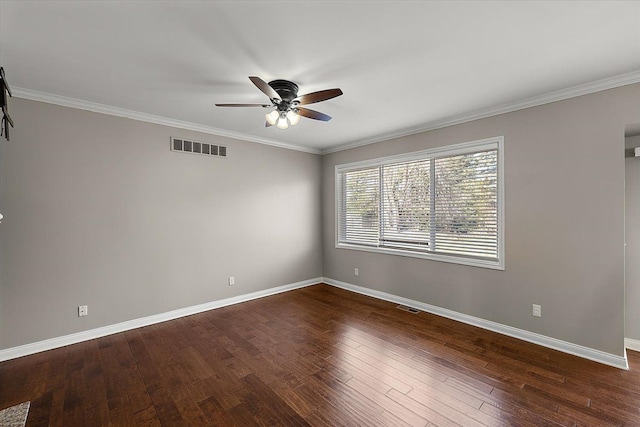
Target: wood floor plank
437 398
318 356
337 404
407 373
425 376
513 416
285 414
335 387
216 412
514 401
388 404
291 398
391 420
370 375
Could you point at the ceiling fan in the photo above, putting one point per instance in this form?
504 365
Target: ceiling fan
283 95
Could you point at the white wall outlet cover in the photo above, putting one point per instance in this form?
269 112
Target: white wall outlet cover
536 310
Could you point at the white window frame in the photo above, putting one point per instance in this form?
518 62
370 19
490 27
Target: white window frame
450 150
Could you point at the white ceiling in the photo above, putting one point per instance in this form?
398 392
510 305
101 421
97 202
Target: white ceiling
403 66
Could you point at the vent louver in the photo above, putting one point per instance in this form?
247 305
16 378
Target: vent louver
408 309
194 147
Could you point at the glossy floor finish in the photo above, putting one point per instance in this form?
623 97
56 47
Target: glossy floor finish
317 356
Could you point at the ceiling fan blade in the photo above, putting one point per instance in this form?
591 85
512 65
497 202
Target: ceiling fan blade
322 95
267 124
312 114
264 87
243 105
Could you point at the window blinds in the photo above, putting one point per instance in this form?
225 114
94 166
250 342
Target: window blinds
445 203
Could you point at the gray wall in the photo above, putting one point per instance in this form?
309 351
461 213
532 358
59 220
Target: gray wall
99 211
632 234
564 181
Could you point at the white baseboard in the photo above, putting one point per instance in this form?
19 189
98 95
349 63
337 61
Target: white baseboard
556 344
566 347
49 344
632 344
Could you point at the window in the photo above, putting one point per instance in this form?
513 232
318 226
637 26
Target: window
443 204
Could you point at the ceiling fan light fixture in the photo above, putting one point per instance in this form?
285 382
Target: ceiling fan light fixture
282 122
272 117
284 98
293 117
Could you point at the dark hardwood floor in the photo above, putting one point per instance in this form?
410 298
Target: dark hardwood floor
317 356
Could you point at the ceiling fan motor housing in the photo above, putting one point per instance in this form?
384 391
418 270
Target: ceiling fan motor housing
287 90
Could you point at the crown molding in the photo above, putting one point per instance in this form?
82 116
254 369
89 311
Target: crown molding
64 101
559 95
572 92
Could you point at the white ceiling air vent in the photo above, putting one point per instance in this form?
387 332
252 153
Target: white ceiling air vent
194 147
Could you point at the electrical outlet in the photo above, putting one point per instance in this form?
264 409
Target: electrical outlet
356 271
536 310
232 281
83 310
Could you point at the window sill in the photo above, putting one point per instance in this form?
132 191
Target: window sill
494 265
